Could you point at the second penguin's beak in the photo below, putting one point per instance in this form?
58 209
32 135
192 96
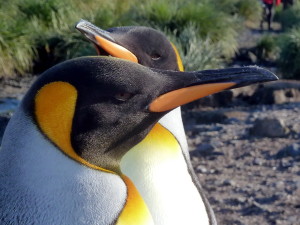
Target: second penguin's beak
104 41
208 82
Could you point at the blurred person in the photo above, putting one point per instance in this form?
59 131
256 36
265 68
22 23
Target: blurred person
268 12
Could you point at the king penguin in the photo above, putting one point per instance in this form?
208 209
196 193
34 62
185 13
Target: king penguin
179 198
62 149
176 196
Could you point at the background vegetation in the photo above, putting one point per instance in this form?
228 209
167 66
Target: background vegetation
35 34
289 42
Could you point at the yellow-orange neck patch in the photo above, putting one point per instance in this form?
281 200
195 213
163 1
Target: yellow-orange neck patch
54 110
160 136
179 61
135 210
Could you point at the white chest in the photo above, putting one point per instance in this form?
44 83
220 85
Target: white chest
159 171
41 185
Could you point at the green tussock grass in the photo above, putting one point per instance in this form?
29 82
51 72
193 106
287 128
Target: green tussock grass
290 18
196 53
289 59
35 35
267 48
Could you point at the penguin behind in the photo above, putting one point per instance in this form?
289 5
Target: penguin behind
61 151
139 44
164 155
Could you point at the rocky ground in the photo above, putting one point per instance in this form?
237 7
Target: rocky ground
249 179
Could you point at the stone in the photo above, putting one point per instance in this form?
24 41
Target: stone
269 127
252 57
254 209
237 115
219 116
292 151
216 143
208 117
296 128
280 185
201 169
258 161
293 219
229 182
203 149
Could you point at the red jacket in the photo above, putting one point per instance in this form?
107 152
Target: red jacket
272 1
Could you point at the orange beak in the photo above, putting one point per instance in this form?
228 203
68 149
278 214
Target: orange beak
102 39
183 96
199 84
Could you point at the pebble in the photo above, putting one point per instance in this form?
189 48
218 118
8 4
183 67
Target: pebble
203 149
258 161
269 127
209 117
201 169
229 182
296 128
293 220
292 151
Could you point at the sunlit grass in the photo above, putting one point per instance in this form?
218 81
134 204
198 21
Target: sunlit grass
290 18
289 59
35 35
267 48
196 53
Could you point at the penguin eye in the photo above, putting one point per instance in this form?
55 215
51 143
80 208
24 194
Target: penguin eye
123 96
155 56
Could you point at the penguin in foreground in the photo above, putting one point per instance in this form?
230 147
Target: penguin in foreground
61 151
164 154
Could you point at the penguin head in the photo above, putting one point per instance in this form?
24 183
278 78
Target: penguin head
94 114
142 45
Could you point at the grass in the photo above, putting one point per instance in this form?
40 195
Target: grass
290 18
16 51
35 35
267 48
177 15
289 60
196 53
247 10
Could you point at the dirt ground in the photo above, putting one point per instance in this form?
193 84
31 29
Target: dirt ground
249 179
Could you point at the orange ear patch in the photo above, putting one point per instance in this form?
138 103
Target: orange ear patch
54 110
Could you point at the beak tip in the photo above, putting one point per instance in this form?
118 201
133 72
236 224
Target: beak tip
84 27
79 23
258 75
268 75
